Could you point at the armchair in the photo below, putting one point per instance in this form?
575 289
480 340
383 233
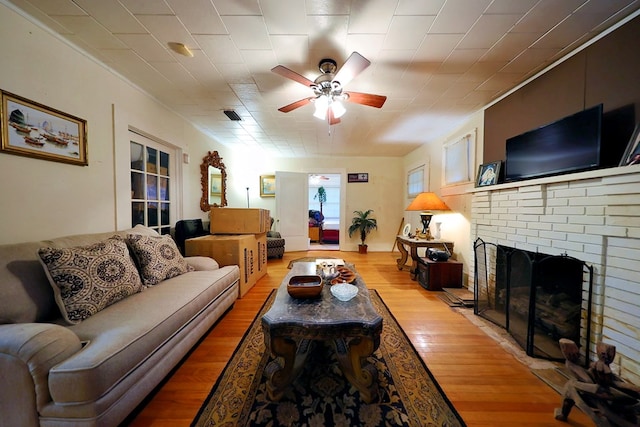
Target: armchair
187 229
275 243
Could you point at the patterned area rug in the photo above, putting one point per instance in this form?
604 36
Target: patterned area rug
321 396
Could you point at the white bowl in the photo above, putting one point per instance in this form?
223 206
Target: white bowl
344 291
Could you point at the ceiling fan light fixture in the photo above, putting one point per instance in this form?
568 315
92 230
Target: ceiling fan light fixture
337 108
322 105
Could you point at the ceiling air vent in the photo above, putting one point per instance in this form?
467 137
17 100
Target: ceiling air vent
232 115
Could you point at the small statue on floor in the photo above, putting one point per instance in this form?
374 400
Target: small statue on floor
597 391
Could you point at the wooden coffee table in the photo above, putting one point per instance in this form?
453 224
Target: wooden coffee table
291 326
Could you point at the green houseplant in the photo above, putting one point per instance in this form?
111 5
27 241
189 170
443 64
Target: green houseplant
362 223
321 195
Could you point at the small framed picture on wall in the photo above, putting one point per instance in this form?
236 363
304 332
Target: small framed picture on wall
267 186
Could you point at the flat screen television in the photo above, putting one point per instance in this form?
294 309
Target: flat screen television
570 144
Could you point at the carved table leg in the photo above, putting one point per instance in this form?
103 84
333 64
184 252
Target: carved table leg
350 353
413 272
289 356
403 256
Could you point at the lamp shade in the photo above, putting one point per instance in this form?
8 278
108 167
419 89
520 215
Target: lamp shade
427 202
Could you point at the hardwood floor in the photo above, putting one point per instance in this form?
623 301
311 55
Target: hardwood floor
486 384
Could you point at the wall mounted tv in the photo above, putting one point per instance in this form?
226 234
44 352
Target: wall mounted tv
568 145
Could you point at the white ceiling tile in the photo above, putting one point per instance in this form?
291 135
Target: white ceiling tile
198 16
289 50
510 46
284 16
237 7
530 59
371 16
407 32
437 47
458 16
146 46
568 30
545 15
57 7
90 31
419 7
220 49
113 16
488 30
166 28
248 32
235 73
510 6
461 60
323 30
146 7
328 7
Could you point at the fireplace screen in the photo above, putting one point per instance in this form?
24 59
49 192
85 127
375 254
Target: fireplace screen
538 298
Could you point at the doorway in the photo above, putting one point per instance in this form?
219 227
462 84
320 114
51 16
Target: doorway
324 211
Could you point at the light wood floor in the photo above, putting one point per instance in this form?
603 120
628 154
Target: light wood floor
487 385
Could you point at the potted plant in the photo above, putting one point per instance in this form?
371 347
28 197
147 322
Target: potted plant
362 223
321 195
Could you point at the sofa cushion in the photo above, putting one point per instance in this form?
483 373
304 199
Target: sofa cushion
115 348
86 279
158 258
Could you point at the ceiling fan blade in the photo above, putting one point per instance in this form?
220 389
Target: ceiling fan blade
290 74
366 99
295 105
353 66
331 118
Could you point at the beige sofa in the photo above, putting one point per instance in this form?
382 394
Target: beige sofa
95 371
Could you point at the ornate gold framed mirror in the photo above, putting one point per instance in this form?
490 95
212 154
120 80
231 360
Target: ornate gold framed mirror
213 179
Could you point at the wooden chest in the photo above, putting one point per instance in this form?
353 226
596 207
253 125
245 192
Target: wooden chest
435 275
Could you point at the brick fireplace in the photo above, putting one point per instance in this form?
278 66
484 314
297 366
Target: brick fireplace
591 216
538 298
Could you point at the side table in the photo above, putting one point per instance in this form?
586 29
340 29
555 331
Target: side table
413 244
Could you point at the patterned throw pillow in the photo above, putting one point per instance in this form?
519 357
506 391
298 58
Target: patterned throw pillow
86 279
158 258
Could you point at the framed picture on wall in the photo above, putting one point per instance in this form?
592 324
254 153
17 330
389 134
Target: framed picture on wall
35 130
632 153
488 174
267 185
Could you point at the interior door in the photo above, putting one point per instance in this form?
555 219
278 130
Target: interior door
292 194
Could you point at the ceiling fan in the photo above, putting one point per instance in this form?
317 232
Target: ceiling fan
328 88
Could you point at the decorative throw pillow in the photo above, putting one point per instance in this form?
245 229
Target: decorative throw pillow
86 279
158 258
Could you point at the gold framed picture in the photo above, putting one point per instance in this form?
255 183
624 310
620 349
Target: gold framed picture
31 129
267 186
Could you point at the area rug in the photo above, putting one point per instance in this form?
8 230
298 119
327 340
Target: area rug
321 396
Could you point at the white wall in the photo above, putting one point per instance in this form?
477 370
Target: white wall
380 193
456 226
43 199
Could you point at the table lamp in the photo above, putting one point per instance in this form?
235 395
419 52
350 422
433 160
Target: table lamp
426 203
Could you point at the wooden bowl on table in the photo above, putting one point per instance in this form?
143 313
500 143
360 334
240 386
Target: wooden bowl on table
307 286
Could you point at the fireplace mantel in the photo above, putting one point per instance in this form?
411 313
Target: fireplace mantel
578 176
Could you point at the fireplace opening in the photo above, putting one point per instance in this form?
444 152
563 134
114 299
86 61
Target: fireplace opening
537 298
